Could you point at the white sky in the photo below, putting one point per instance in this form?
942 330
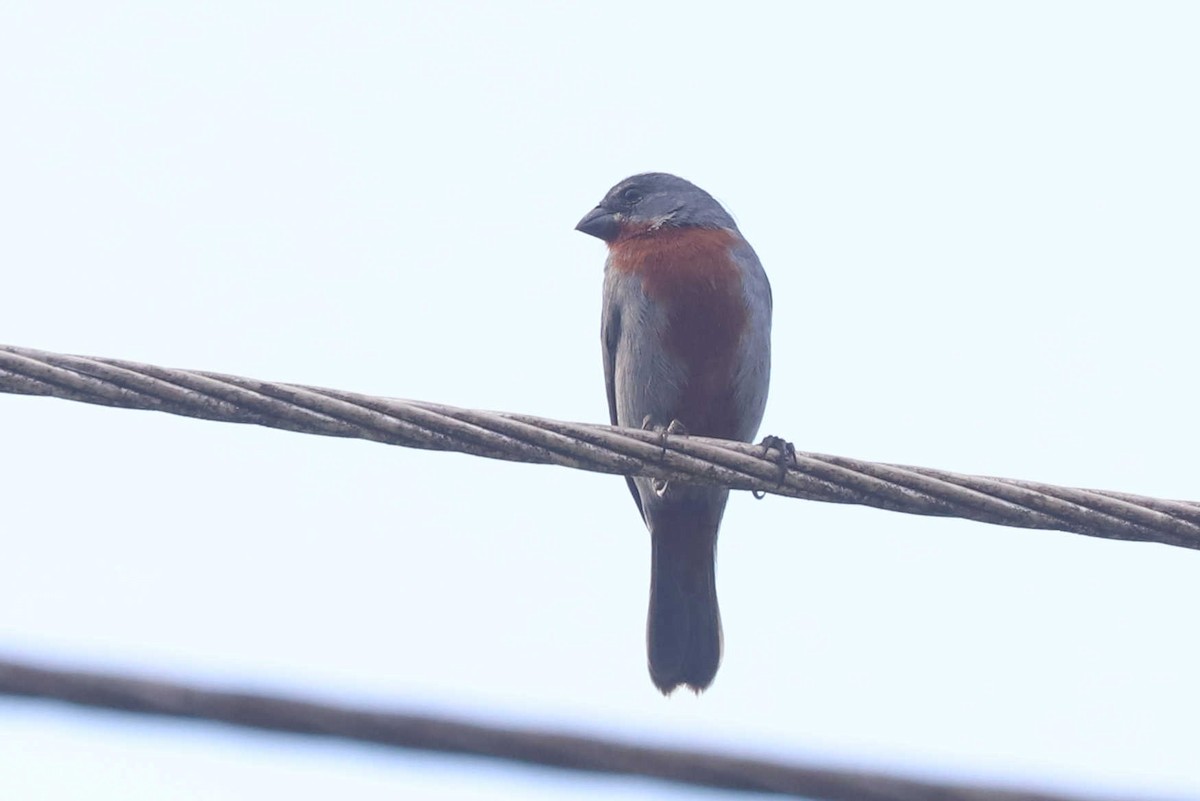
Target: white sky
980 225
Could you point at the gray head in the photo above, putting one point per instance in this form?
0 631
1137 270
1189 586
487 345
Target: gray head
650 201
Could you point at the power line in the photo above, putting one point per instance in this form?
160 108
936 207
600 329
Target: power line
438 734
516 437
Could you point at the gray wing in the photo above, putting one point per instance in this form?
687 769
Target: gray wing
610 337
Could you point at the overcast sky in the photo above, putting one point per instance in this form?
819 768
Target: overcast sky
980 223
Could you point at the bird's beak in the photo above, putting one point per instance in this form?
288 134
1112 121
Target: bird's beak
600 223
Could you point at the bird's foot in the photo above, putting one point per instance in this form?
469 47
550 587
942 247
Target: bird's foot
785 458
660 485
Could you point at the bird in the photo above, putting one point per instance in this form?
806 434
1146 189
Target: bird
686 336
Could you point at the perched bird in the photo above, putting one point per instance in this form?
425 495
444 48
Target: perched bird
686 330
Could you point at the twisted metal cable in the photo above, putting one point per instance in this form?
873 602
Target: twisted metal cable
430 733
603 449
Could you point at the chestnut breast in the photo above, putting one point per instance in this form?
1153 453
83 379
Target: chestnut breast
690 273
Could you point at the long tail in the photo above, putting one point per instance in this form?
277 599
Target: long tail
683 632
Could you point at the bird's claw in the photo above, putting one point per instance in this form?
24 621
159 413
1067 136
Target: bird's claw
661 485
786 458
677 428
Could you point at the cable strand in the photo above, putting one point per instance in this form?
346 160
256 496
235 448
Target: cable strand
439 734
621 451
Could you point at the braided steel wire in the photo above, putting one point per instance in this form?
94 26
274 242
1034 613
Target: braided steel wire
604 449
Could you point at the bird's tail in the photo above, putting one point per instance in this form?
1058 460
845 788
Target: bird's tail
683 632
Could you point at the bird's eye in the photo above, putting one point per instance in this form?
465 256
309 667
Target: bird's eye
631 195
